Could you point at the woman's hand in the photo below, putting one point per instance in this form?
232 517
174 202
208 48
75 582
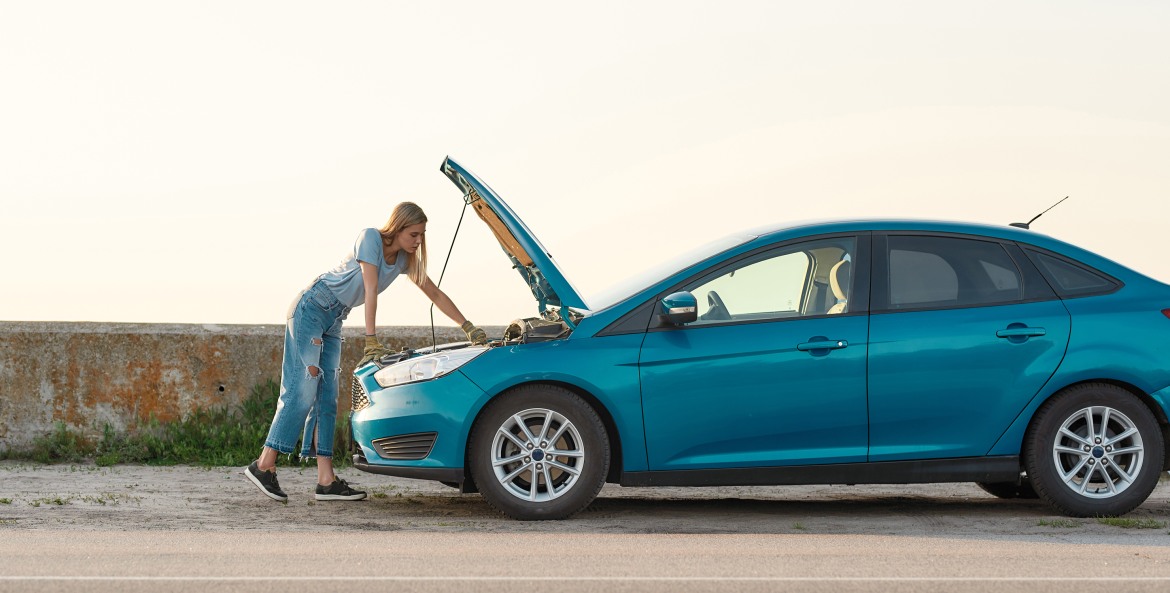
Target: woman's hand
374 349
477 336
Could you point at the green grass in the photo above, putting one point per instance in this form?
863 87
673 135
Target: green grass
231 436
1067 523
1127 523
5 501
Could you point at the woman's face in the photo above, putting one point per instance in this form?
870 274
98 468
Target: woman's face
411 237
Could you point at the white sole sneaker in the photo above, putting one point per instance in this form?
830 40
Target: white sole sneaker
253 479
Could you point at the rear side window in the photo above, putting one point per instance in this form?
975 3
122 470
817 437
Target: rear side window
943 272
1069 279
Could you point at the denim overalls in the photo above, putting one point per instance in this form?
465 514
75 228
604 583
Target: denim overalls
308 403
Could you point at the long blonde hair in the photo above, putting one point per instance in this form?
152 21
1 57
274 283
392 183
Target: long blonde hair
406 214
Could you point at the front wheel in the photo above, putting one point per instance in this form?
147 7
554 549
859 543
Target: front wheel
539 452
1094 450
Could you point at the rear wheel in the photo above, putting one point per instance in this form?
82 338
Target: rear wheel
1094 450
539 452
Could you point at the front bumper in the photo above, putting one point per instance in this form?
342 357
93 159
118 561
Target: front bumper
443 406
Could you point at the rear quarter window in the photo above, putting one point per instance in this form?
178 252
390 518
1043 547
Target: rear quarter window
1069 278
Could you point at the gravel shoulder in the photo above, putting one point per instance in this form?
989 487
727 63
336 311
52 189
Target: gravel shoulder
133 498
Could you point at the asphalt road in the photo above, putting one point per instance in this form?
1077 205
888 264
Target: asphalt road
201 562
81 529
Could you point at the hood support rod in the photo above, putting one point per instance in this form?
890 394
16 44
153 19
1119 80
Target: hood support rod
466 202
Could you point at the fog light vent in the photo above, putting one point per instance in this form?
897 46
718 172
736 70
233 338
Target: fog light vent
357 395
406 447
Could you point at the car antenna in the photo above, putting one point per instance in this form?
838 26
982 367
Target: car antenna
1027 225
466 202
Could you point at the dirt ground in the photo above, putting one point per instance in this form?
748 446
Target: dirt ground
127 498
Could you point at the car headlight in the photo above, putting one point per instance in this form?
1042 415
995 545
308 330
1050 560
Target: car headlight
425 368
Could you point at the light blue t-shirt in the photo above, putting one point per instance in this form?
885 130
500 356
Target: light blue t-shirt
345 280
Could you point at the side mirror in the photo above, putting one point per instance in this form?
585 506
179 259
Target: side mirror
678 308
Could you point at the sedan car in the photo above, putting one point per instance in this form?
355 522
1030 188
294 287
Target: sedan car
845 352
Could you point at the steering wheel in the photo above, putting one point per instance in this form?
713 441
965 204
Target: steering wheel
716 310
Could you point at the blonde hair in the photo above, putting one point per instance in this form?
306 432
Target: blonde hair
404 215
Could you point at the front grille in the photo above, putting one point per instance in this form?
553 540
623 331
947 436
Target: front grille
357 395
406 447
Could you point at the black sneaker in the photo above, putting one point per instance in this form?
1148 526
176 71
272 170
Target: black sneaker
338 490
266 482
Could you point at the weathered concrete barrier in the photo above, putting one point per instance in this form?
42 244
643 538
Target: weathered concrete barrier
88 375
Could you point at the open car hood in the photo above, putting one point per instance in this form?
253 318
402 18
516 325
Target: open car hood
529 257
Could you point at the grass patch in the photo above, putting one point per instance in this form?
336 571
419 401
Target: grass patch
229 436
5 501
799 526
1065 523
1128 523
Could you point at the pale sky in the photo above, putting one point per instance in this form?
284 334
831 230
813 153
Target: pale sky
200 162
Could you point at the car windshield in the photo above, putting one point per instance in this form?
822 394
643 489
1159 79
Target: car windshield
646 278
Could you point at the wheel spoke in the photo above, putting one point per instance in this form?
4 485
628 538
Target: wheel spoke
559 453
1105 424
1124 435
560 431
515 439
548 485
1068 477
523 427
565 468
507 460
532 488
1124 450
544 427
1088 478
1125 477
1074 436
515 472
1090 430
1108 481
1070 450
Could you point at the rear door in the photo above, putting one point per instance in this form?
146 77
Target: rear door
963 334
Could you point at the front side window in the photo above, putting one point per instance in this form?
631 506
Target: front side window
813 278
941 272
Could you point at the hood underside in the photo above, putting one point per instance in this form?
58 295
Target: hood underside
549 286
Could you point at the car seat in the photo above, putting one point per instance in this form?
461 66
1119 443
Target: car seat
839 278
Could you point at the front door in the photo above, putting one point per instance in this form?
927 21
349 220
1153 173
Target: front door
773 371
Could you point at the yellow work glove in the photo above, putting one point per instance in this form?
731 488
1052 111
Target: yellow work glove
476 335
374 349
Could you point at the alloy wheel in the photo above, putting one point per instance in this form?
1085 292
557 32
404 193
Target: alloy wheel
537 455
1098 452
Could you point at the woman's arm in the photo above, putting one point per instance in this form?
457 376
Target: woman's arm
443 302
370 280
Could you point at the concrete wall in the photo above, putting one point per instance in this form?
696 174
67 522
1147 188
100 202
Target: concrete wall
88 375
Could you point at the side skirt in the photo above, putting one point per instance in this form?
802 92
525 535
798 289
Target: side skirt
965 469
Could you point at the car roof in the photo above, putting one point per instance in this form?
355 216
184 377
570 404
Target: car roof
796 229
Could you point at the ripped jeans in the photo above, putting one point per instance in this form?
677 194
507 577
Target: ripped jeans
308 380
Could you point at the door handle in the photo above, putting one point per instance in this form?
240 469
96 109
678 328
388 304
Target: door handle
819 343
1020 332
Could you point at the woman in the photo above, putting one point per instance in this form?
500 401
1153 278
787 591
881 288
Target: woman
312 345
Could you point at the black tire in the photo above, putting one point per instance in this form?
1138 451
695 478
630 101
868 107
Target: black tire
551 489
1094 473
1010 490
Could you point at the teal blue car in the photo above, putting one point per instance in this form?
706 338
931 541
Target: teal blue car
844 352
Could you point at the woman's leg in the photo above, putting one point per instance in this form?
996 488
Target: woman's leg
317 440
300 377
